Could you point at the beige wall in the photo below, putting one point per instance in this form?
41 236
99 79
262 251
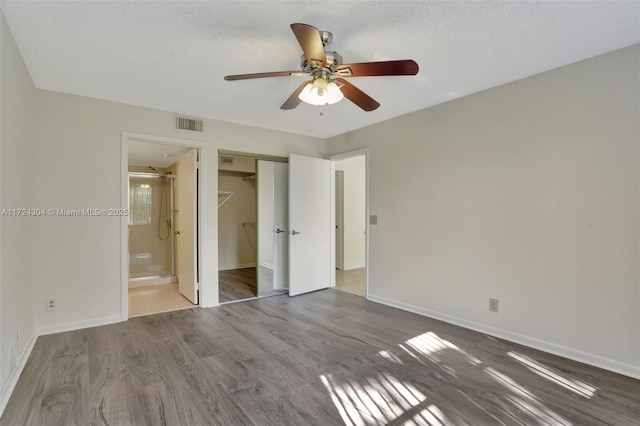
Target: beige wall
529 193
17 263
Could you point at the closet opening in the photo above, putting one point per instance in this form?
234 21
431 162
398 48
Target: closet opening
252 226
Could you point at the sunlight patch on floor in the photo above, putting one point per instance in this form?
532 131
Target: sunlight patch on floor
429 344
410 353
381 400
385 399
526 401
390 356
574 385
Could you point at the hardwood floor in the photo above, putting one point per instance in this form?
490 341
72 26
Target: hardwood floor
237 284
323 358
352 281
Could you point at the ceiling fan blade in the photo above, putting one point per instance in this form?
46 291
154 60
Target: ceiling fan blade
311 43
264 74
294 100
372 69
357 96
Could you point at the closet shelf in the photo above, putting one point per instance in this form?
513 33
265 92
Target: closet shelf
237 173
223 196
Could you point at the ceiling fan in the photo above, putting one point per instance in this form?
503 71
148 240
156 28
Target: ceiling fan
328 84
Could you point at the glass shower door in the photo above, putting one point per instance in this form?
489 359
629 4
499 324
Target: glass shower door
150 226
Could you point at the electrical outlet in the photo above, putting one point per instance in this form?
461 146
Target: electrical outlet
50 304
373 219
493 305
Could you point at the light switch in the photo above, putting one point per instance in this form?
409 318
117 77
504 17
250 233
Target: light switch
373 219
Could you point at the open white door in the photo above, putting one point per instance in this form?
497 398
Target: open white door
186 226
309 224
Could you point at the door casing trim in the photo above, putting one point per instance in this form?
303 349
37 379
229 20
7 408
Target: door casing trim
124 201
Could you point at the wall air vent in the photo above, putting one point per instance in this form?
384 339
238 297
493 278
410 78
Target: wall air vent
226 160
184 123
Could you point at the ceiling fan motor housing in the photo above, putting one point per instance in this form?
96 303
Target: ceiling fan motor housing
333 60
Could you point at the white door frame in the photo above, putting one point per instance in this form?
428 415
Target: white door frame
339 225
124 202
334 158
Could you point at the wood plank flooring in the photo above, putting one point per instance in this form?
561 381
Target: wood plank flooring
325 358
237 284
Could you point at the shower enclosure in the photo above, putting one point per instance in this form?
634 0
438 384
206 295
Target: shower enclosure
151 222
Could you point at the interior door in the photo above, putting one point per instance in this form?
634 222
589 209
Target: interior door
186 225
280 226
309 224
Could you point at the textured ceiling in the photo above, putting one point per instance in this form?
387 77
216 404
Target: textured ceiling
173 55
154 154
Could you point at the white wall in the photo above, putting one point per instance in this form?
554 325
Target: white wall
354 210
16 191
78 258
529 193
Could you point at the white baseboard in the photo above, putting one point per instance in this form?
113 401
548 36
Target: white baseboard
553 348
240 266
12 380
78 325
353 265
266 265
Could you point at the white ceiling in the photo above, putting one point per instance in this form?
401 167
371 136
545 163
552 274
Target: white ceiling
154 154
173 55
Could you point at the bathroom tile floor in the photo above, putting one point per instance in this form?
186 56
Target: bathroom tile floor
351 281
154 299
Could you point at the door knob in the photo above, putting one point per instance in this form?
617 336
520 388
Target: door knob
177 232
278 230
294 232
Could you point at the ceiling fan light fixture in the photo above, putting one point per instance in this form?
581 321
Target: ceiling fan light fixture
321 92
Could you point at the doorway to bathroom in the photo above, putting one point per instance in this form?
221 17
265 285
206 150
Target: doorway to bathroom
162 227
